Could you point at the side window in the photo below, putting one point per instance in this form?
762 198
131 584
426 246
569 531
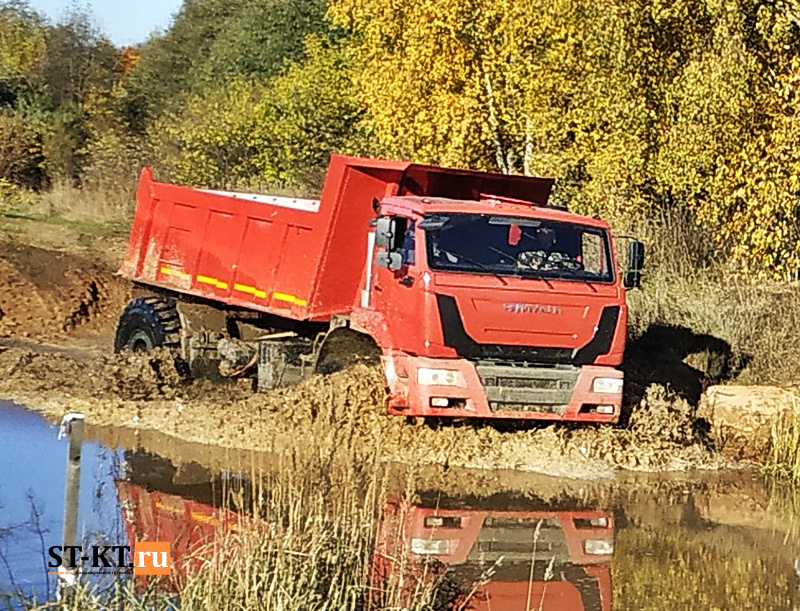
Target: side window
593 255
407 248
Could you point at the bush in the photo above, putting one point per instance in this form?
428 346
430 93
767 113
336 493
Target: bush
21 156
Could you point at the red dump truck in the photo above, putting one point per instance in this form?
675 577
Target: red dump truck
479 558
479 298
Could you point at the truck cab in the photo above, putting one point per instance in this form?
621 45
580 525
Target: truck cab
495 308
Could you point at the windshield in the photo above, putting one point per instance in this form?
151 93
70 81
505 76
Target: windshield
504 245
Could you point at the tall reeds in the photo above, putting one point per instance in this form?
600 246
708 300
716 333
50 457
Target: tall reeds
784 459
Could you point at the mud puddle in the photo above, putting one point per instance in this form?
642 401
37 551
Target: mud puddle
504 538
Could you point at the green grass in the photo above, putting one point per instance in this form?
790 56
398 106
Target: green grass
110 228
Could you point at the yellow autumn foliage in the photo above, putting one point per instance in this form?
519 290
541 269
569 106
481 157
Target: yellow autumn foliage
636 107
22 41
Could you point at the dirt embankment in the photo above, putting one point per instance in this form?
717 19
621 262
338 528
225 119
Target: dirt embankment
56 330
54 296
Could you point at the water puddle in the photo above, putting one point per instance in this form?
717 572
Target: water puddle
32 480
482 541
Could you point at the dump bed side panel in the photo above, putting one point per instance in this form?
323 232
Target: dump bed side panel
252 254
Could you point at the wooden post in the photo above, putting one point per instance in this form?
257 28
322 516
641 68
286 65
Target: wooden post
72 428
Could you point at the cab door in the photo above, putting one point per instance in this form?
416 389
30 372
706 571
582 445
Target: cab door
396 286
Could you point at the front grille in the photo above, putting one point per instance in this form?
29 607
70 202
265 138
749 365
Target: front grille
515 540
528 389
532 408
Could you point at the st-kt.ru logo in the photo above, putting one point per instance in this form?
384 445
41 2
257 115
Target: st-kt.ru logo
151 558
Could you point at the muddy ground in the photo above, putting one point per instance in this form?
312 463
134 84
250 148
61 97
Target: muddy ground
58 311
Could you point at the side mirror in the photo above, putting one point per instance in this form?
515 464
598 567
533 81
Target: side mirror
632 280
633 276
386 233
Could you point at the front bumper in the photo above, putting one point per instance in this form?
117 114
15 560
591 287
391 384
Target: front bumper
501 391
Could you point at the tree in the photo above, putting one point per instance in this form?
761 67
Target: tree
20 152
22 39
276 134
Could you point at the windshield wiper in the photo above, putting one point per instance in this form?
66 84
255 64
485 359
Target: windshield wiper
474 262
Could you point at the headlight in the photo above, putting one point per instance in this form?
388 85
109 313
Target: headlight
599 547
437 377
430 547
610 386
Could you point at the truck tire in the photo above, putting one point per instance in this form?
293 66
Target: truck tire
343 348
148 323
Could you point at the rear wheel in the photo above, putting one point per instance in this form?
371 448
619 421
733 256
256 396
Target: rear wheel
148 323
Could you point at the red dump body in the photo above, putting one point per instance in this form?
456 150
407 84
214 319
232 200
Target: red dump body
296 258
465 331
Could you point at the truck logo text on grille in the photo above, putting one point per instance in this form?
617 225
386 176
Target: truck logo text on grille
532 308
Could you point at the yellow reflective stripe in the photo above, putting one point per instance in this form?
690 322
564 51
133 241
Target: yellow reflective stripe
251 290
201 517
168 271
290 299
213 282
169 508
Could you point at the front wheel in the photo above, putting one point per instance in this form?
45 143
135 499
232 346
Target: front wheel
148 323
343 348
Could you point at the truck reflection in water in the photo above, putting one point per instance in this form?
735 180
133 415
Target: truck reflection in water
186 506
509 560
520 557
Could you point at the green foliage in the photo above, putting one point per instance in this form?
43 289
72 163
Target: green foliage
278 134
260 36
213 42
214 139
167 68
20 151
314 112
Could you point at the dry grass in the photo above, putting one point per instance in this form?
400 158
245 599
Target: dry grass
783 462
112 203
690 288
